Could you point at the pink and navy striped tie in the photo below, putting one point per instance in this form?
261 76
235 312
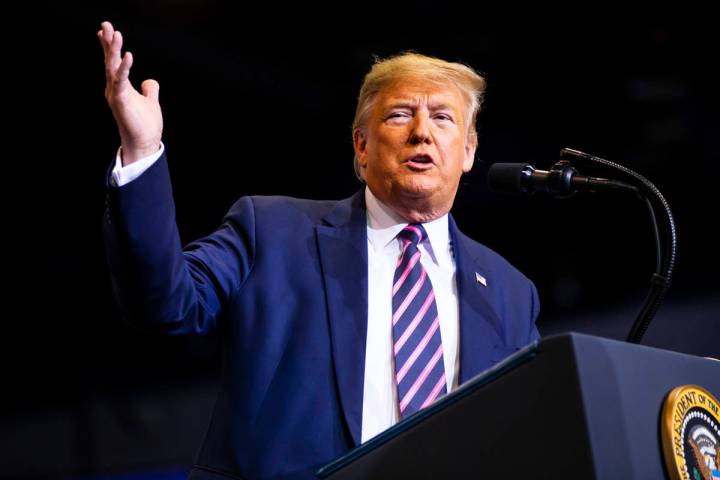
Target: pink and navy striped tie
419 367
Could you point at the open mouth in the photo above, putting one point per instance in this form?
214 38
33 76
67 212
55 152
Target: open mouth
420 162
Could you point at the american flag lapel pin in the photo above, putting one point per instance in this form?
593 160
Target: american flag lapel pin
480 279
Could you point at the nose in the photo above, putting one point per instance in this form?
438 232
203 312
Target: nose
419 130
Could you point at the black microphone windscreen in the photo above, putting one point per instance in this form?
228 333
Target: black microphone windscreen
506 177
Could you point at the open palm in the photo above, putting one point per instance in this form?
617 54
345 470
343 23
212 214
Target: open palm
138 115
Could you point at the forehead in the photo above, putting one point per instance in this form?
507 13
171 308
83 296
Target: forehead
420 91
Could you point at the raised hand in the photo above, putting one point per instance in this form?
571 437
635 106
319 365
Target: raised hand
138 115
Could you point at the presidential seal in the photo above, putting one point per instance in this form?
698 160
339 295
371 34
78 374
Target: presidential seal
691 434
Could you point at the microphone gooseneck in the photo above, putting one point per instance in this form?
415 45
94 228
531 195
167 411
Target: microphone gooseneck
666 243
563 181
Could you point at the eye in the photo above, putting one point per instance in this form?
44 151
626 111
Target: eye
398 116
443 117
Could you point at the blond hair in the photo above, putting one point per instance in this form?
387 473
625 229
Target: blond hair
383 73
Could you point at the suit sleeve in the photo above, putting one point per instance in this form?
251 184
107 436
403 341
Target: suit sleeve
157 284
534 334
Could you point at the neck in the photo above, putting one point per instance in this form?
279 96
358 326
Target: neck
412 210
412 214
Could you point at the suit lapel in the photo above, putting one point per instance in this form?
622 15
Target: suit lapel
342 244
481 343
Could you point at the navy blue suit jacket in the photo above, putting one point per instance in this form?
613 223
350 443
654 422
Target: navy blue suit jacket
285 281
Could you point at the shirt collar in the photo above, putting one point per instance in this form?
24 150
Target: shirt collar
384 225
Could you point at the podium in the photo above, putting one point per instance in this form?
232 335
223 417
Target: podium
569 406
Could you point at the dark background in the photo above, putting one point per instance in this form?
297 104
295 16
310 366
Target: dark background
259 100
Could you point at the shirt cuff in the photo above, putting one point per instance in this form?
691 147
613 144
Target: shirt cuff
124 175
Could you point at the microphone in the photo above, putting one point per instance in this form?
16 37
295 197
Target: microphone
561 180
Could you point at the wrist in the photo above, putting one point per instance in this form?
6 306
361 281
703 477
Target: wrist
130 155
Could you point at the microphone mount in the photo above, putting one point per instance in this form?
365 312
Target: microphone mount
557 181
563 181
665 238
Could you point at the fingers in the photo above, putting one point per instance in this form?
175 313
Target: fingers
111 41
123 71
113 59
105 35
151 89
117 66
100 37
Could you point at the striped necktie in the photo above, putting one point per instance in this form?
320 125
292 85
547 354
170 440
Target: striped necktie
419 367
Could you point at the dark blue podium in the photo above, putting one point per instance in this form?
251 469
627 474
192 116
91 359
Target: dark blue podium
569 406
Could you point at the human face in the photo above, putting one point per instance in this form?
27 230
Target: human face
414 147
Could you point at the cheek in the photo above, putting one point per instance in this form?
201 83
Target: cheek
386 150
455 153
392 136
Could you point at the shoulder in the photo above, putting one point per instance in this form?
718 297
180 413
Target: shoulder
513 295
282 209
489 260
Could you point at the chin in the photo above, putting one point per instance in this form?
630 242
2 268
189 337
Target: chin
419 184
418 188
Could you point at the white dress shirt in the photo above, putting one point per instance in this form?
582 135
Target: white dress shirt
124 175
380 405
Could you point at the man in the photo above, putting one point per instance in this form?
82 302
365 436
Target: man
339 318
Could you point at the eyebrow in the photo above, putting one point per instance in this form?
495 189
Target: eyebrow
411 105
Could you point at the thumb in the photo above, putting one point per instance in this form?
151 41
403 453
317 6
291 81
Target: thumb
151 89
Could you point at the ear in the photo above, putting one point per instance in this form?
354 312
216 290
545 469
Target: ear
470 147
360 146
